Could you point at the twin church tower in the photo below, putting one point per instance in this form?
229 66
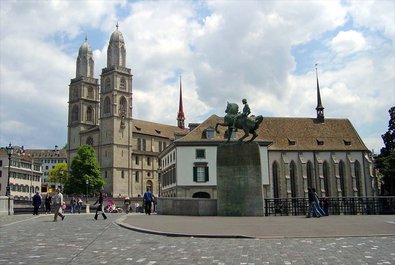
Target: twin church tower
100 114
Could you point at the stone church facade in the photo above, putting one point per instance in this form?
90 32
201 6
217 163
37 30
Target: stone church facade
100 114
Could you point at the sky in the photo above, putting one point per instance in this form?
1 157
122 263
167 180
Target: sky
264 51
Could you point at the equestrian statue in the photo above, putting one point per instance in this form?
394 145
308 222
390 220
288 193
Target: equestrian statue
239 120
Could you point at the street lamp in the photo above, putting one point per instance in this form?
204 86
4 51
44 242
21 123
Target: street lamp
61 175
87 184
10 150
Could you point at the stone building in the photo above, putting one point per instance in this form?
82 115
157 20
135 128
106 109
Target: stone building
100 114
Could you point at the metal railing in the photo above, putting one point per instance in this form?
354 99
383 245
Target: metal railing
337 206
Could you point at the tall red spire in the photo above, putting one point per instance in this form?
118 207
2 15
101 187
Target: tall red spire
180 115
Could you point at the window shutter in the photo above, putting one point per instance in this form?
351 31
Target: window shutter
206 173
195 174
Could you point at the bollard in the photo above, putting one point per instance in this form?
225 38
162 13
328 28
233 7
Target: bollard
87 208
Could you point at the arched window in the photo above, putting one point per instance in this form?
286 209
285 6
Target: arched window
292 174
309 169
89 114
107 105
90 92
325 171
108 84
342 175
275 175
122 106
149 185
358 182
201 194
74 113
89 141
122 84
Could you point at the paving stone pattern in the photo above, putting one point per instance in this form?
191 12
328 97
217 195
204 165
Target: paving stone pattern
79 239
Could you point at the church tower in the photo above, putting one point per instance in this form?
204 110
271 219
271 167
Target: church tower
83 101
180 114
115 153
319 108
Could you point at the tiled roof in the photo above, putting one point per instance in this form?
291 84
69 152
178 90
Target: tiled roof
156 129
291 134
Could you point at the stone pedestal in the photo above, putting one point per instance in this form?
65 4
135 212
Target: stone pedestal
239 180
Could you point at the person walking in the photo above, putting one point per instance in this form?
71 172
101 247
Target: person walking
36 202
317 203
312 211
100 206
79 204
148 201
58 202
127 204
73 203
48 201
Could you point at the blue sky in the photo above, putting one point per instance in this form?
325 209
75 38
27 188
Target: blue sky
264 51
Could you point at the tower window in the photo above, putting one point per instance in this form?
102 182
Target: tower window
89 141
108 84
90 92
107 105
89 114
75 114
122 84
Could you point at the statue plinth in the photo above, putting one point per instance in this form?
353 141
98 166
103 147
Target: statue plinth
239 180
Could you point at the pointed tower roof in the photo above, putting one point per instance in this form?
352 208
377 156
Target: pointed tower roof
180 115
319 108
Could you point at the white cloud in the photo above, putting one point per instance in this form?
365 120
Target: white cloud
348 42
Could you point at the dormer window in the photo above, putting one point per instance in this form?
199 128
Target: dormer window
347 141
157 131
320 141
210 133
137 128
291 141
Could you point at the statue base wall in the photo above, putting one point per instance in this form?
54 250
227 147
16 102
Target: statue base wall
239 180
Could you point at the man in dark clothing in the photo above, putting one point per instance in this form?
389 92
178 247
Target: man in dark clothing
36 202
100 206
148 201
312 205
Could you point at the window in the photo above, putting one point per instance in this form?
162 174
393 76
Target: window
309 168
136 160
138 144
90 92
122 106
144 145
200 153
210 133
136 178
74 113
276 186
108 84
357 171
107 105
89 114
1 163
200 173
325 169
89 141
122 84
292 173
122 174
342 178
148 161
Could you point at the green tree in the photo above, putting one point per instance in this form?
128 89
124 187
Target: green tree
84 167
385 162
55 175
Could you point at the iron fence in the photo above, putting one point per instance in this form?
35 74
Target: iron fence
337 206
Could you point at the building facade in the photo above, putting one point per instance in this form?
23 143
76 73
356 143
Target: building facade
100 114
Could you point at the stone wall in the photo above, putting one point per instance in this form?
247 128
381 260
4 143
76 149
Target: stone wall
4 205
187 206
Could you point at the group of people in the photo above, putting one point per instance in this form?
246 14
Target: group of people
315 209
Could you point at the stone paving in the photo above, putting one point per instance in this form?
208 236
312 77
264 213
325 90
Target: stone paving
79 239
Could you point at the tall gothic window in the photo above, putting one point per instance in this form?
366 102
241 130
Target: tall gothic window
122 106
89 114
276 186
357 171
325 169
89 141
107 105
292 173
342 178
309 168
90 92
75 113
108 84
122 84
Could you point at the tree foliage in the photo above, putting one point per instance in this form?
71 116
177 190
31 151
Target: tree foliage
55 173
385 162
84 167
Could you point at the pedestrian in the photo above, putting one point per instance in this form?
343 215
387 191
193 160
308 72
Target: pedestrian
79 204
148 201
100 206
58 203
73 203
36 202
317 203
127 204
325 205
312 211
48 200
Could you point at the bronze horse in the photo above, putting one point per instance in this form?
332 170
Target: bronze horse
250 125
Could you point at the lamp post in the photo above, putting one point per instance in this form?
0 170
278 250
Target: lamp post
87 184
60 178
10 150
